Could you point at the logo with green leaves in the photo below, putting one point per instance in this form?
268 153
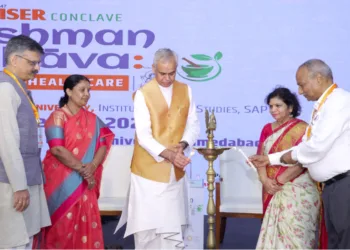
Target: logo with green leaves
199 208
204 69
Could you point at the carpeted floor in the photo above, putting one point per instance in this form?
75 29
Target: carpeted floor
240 233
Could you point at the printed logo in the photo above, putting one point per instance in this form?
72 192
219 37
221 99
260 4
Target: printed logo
147 76
206 69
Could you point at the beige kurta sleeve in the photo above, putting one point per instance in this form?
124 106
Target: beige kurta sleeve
9 137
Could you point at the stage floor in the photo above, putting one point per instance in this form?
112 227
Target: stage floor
240 233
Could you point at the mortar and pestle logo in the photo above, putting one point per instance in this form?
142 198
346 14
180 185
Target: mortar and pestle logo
200 72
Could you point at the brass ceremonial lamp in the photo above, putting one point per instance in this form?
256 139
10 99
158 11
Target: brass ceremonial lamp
210 153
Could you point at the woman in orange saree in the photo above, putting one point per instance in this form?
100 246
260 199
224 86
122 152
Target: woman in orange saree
79 142
291 201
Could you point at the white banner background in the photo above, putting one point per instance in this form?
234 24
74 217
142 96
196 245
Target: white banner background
261 42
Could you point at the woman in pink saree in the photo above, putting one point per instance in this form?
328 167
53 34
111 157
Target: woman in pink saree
291 201
79 142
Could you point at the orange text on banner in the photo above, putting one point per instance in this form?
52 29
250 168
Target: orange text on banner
22 14
98 82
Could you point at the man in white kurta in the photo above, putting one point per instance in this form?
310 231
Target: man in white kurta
325 147
156 212
23 207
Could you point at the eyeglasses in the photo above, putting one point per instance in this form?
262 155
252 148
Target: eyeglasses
32 63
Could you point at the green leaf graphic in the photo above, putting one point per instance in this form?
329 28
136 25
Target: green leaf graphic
202 57
218 56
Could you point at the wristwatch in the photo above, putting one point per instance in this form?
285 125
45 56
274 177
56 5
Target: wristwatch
184 144
282 160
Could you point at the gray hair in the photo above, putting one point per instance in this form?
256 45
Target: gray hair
317 66
21 43
164 54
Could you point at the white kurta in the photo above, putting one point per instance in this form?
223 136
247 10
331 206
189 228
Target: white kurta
16 227
156 205
326 153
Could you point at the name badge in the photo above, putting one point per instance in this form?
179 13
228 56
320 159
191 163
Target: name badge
40 137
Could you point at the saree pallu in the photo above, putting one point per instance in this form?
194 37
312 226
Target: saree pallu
291 215
73 207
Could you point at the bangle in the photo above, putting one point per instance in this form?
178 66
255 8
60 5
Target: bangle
279 183
94 164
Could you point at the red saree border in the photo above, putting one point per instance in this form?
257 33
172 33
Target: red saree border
296 129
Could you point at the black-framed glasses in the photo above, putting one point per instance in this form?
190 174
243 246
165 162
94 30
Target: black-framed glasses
32 63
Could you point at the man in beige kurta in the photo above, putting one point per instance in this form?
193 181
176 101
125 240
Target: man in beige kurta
166 125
